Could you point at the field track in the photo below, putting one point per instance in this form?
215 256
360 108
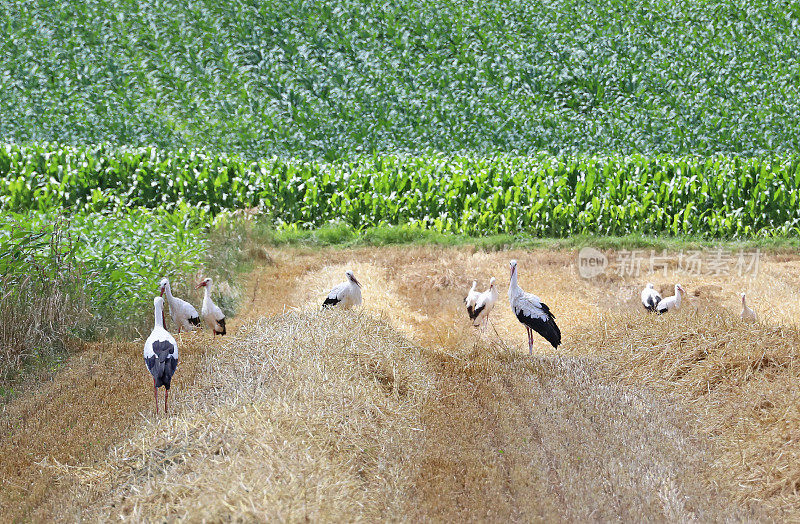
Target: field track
419 417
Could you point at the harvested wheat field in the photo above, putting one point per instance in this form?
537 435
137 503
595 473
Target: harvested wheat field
400 410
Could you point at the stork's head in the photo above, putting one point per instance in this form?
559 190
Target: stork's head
491 282
679 287
742 294
163 285
513 266
203 283
158 303
352 278
649 285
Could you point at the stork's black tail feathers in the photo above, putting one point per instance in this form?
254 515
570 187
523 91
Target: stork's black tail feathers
221 323
547 327
477 312
554 335
195 321
471 312
330 302
161 365
651 304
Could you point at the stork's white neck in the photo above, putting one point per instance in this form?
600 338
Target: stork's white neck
677 297
513 287
168 291
206 291
159 316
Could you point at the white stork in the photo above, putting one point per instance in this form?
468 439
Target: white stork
472 299
485 304
748 315
183 313
650 297
160 354
670 303
212 314
532 312
347 294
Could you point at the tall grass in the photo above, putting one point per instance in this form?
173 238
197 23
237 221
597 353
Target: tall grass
88 276
42 300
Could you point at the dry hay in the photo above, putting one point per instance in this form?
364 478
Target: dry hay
509 438
304 416
740 379
660 430
378 291
334 416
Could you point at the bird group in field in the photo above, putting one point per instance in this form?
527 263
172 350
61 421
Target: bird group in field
161 348
479 305
528 308
652 301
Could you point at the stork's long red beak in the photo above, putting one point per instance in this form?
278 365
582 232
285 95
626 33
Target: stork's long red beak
201 284
162 292
356 281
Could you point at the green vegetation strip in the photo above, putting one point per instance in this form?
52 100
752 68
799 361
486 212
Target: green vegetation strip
342 236
333 79
541 196
118 258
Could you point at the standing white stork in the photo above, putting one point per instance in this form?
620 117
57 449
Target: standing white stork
485 304
472 299
670 303
347 294
748 315
160 354
212 314
532 312
650 297
183 313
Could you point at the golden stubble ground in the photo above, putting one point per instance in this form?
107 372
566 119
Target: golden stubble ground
401 410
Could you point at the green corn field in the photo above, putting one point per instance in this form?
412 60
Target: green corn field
540 196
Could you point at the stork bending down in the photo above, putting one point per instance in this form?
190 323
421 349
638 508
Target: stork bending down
650 297
485 304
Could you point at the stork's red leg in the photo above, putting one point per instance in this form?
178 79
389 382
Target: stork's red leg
530 342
